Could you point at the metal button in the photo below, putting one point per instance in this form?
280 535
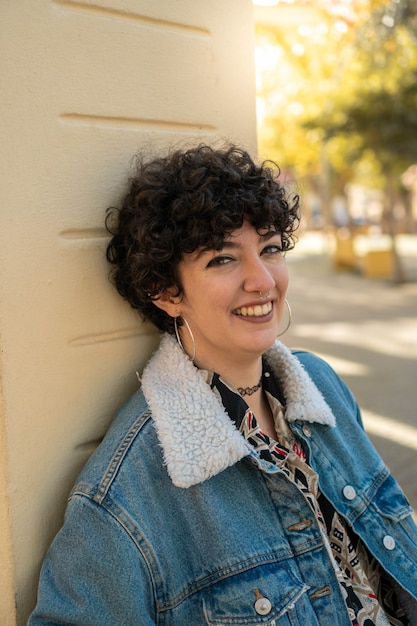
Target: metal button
263 606
349 492
389 542
307 430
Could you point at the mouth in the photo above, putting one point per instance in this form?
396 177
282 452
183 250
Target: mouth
259 310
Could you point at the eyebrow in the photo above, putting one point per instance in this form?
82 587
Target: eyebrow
228 243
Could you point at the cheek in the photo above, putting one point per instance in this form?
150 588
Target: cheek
282 278
287 280
201 296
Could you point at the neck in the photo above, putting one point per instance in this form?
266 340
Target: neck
242 376
259 405
249 391
239 376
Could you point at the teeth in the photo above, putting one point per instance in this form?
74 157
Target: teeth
255 311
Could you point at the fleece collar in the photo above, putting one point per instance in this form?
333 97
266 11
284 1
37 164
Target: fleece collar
198 438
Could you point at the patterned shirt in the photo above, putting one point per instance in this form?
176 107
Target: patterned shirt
368 591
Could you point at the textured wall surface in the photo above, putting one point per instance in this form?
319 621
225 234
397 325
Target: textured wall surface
85 85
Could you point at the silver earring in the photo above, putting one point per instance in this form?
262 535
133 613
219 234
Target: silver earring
261 297
179 338
289 319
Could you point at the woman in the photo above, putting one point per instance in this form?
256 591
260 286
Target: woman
237 486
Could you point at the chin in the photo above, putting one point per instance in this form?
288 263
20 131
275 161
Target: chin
262 344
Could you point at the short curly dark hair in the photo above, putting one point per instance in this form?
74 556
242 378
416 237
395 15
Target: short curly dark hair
184 201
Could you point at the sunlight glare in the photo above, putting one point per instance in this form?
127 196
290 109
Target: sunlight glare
399 339
266 3
344 367
392 430
298 49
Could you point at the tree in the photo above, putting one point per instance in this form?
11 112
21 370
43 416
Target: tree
381 112
382 109
340 100
299 75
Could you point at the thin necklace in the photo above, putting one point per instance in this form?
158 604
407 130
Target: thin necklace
248 391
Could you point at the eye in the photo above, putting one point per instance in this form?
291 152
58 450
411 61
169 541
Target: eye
272 249
219 261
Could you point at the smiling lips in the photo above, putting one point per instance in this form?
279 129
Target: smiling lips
254 311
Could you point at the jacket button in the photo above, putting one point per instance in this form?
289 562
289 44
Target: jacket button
349 492
263 606
306 430
389 542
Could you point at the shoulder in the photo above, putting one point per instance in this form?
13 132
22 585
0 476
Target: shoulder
317 368
130 419
129 436
311 360
330 384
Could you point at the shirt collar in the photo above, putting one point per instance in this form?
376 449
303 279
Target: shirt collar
232 401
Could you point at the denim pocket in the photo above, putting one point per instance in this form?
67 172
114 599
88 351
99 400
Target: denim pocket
261 595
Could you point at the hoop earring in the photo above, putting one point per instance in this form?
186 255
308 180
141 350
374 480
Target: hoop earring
177 333
289 319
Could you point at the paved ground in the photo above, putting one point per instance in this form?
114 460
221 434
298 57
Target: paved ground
367 329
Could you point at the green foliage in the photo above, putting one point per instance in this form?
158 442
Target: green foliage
382 109
342 91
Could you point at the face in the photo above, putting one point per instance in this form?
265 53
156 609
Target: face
221 300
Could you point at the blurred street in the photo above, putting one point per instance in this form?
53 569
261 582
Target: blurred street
367 330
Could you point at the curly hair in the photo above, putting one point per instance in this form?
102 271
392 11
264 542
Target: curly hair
184 201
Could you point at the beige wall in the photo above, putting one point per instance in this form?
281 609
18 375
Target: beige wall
85 86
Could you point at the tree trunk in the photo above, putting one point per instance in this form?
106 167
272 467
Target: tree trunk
398 274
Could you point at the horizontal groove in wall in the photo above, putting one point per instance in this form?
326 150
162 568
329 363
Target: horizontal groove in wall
84 233
144 20
132 123
116 335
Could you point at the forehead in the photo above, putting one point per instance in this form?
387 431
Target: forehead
247 235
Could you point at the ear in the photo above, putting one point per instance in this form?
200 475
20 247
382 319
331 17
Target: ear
168 303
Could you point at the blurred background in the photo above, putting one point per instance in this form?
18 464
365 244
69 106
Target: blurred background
337 110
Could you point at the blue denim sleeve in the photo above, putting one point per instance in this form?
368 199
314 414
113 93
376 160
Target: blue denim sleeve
94 573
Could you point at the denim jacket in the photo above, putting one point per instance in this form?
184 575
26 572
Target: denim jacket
172 523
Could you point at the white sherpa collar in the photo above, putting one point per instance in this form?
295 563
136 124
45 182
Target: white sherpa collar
198 438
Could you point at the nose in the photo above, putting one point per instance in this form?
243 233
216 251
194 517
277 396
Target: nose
258 278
